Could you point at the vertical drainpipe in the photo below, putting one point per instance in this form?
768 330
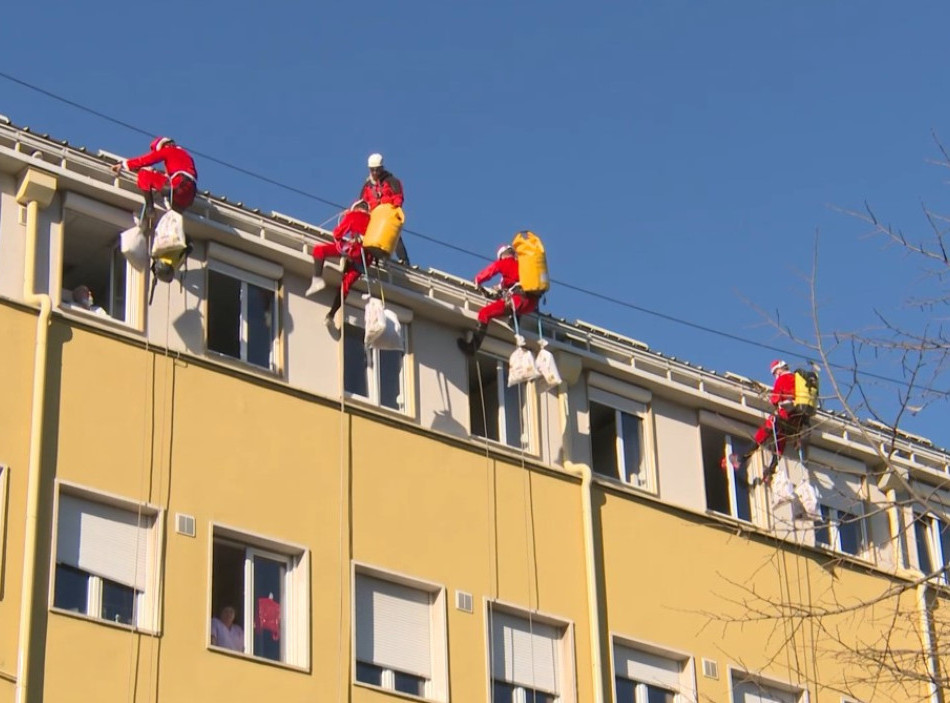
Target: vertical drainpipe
925 602
35 191
570 367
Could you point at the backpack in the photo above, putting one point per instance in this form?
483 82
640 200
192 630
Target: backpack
806 393
532 262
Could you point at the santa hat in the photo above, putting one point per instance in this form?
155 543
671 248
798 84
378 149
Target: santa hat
777 365
158 143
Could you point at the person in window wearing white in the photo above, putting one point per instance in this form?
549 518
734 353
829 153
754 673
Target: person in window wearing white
82 298
225 632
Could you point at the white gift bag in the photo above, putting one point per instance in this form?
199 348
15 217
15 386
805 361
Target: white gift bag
782 490
808 500
547 367
521 368
169 235
374 321
134 248
391 337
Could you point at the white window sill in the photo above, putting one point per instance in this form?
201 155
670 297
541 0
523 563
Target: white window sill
103 318
108 623
393 692
259 660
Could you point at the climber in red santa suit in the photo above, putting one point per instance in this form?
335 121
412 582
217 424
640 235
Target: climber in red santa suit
347 244
780 423
180 178
511 296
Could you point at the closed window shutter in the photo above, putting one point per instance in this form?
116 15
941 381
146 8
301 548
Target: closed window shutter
393 626
752 692
643 667
103 540
838 490
524 652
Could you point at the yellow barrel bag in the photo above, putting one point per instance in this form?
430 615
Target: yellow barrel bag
383 230
532 262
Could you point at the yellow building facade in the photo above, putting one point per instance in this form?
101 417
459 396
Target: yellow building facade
400 524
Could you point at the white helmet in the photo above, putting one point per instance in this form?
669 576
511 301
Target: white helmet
778 365
504 249
375 161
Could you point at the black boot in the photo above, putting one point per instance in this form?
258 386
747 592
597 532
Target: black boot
337 302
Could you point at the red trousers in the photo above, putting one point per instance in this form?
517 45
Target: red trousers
783 425
183 189
354 262
522 304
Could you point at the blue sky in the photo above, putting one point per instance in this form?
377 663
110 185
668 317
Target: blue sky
680 156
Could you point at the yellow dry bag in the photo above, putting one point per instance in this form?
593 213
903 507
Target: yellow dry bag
532 262
382 232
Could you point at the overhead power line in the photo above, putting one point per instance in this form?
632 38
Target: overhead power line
564 284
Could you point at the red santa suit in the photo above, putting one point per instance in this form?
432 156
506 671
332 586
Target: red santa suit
782 397
347 238
384 189
522 303
180 173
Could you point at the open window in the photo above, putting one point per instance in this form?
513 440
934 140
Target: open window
95 277
621 437
105 553
376 375
242 307
496 411
530 658
265 584
727 476
400 635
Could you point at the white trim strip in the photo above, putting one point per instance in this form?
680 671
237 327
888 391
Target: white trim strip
244 261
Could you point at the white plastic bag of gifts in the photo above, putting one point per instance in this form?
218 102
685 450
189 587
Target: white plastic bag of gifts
782 490
169 236
383 329
134 247
521 368
808 500
547 367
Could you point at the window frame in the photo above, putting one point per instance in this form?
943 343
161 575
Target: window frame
218 264
527 413
146 613
833 522
565 665
295 603
933 544
832 475
733 432
768 683
435 687
110 217
685 688
639 407
373 370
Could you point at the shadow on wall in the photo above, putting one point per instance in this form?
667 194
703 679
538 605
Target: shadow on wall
443 421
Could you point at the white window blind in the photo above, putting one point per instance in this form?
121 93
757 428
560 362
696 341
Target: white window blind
524 652
753 692
643 667
393 626
103 540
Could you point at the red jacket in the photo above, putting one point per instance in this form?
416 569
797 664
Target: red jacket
507 267
348 235
783 393
173 156
387 189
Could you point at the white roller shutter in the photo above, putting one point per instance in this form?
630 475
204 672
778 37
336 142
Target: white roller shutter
393 626
643 667
524 652
752 692
838 489
103 540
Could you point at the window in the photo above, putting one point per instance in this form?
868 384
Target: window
496 411
530 659
265 584
242 315
103 558
932 536
842 531
400 636
746 689
91 258
644 677
727 477
843 526
620 438
377 375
